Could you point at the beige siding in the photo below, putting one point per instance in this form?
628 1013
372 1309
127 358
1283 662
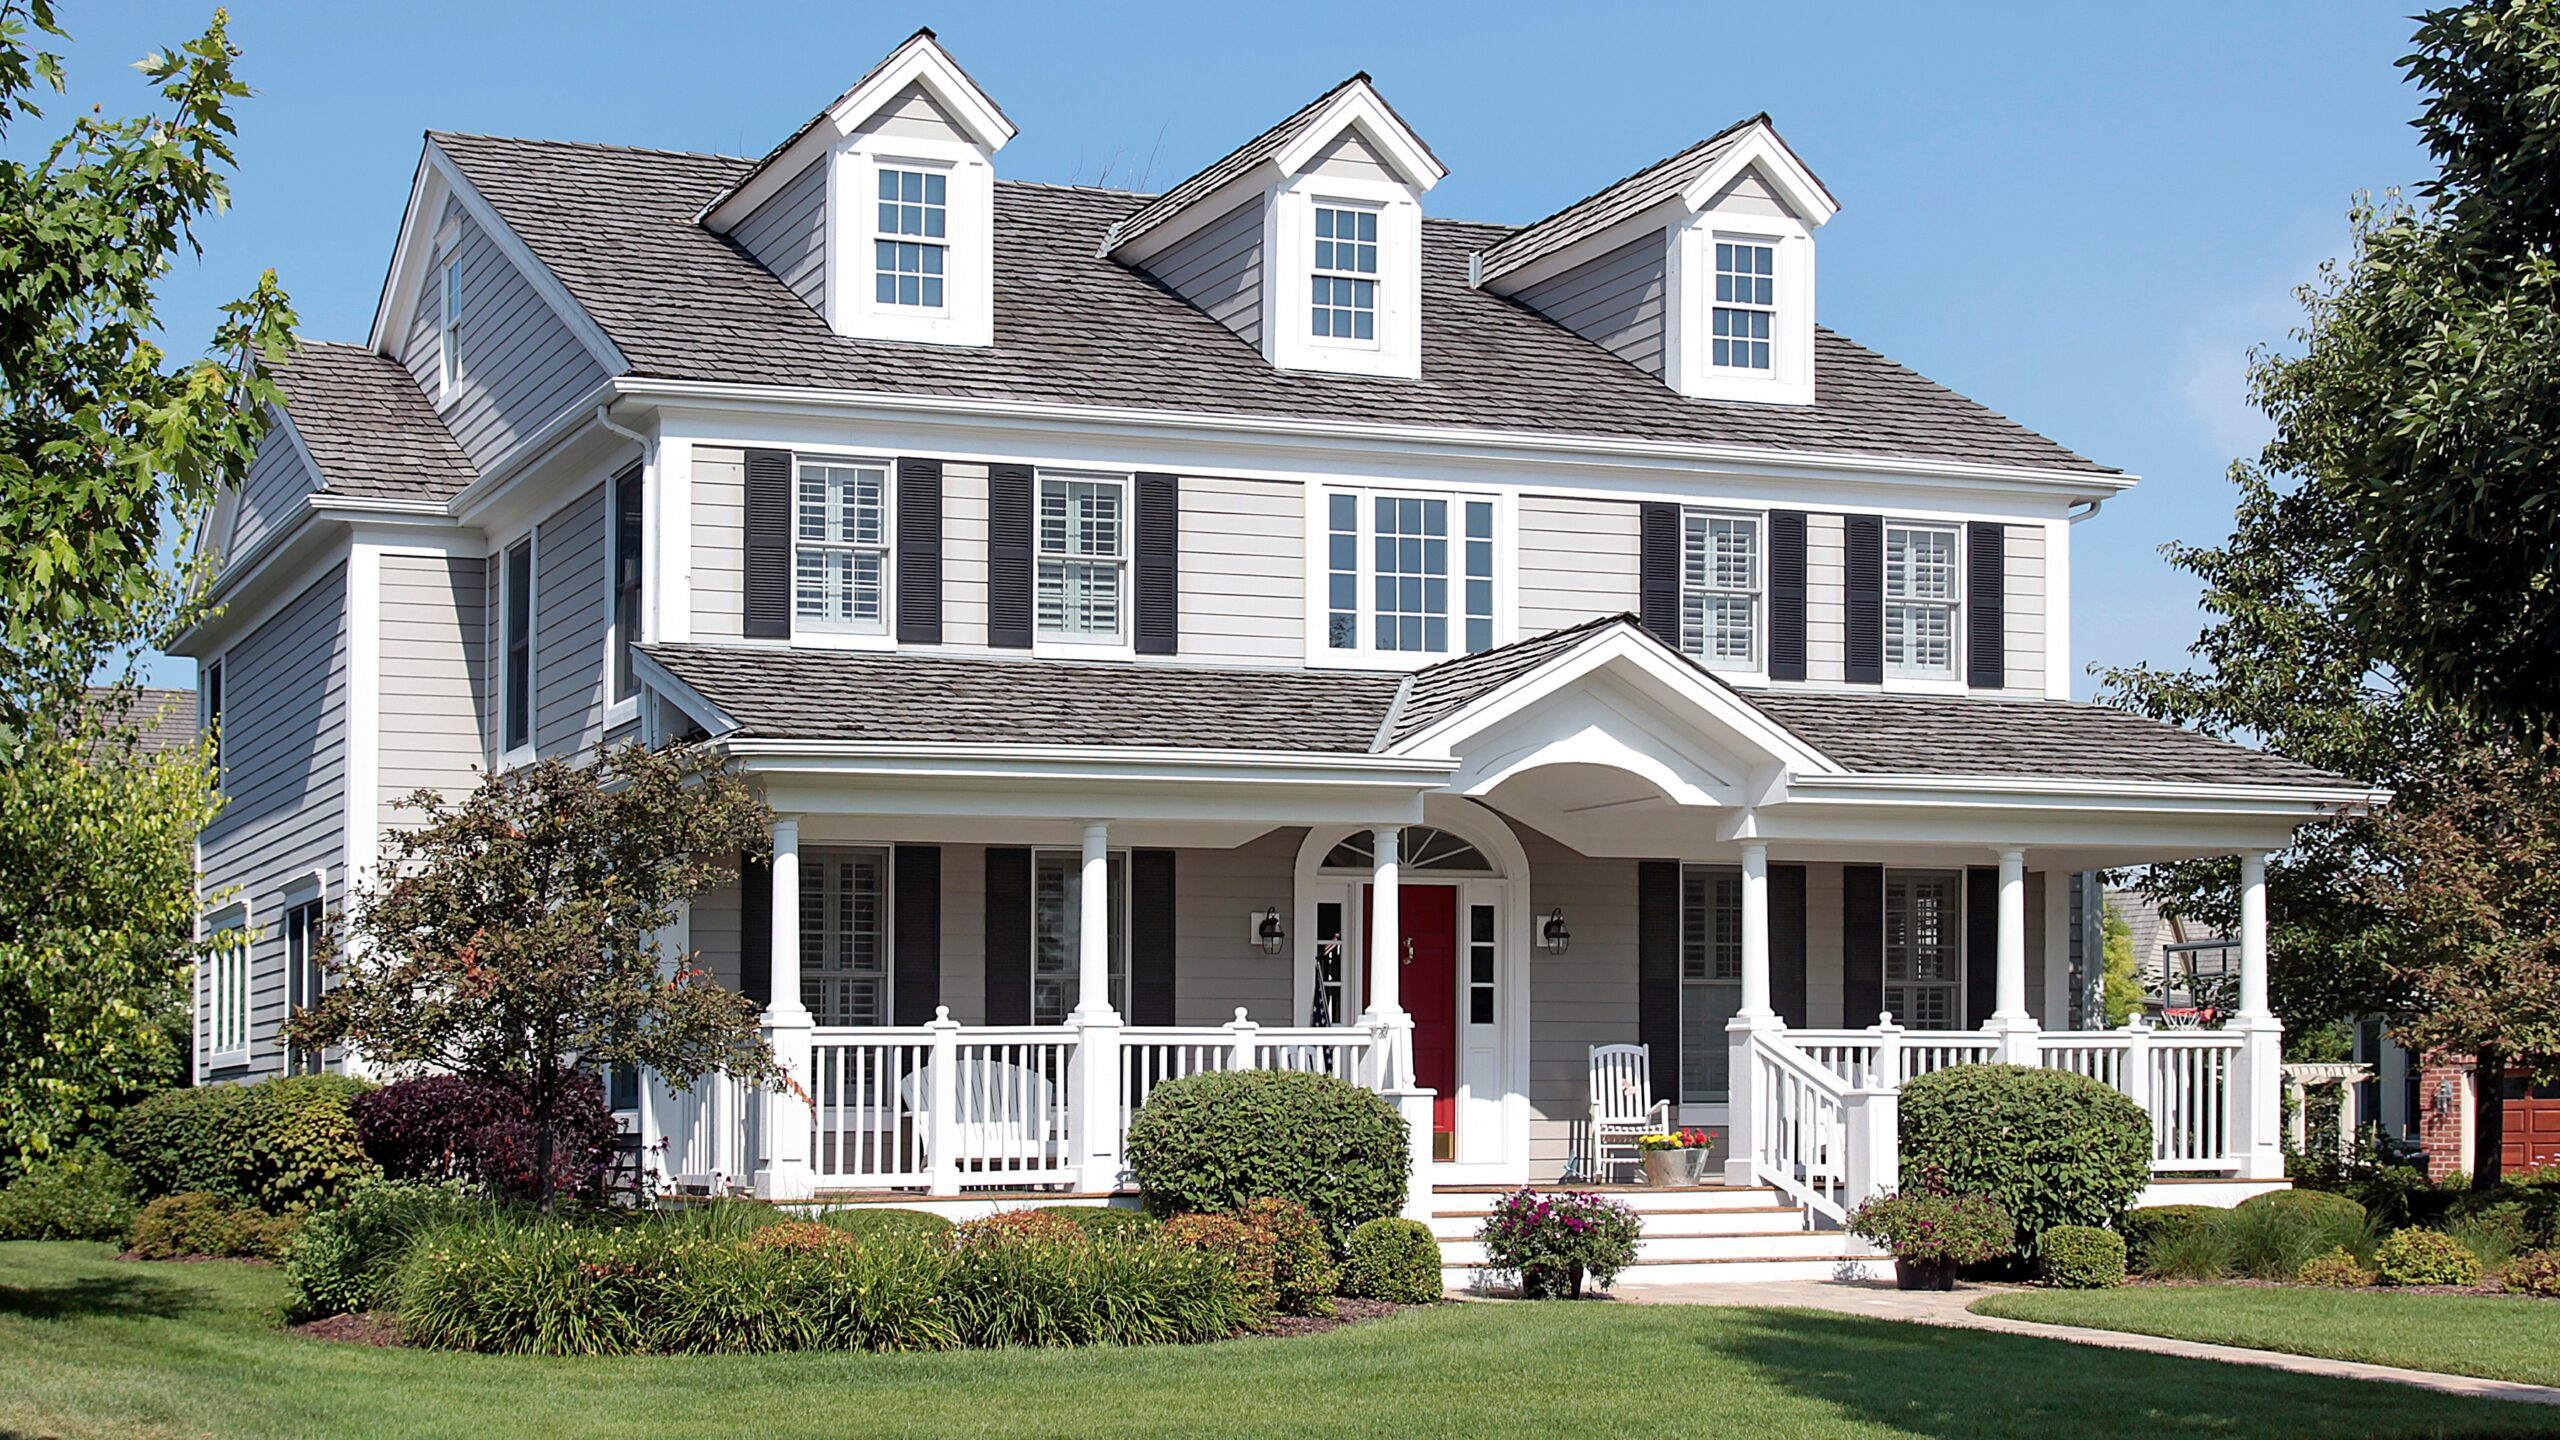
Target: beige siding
1351 158
1578 558
569 628
432 673
1582 998
2023 610
719 543
1826 607
1750 193
1217 964
1244 578
964 933
964 554
912 115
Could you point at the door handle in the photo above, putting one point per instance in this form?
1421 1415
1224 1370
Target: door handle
1408 949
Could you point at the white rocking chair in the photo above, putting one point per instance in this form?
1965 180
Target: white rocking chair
1622 1106
1003 1116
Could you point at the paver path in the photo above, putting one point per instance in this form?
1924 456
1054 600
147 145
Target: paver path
1929 1307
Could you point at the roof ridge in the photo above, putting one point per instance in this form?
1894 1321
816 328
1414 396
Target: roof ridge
435 134
1643 170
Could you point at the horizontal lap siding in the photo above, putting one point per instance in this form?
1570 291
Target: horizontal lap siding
912 114
521 365
1825 950
1219 269
787 234
569 628
714 933
964 932
285 775
273 490
1582 998
1352 158
719 543
964 554
433 673
1826 609
1243 571
2023 609
1578 559
1613 300
1217 963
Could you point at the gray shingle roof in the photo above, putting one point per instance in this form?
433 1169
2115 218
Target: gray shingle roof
616 227
162 721
368 426
1614 202
1442 690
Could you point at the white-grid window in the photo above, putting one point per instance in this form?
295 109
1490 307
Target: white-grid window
1746 305
1720 589
1345 283
449 331
1083 557
226 989
1389 582
1057 927
1921 586
1923 949
842 549
844 936
303 981
911 248
1710 980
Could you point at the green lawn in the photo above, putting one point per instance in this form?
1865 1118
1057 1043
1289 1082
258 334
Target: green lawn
2501 1337
93 1346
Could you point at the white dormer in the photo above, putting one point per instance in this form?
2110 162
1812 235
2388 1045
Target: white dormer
1699 268
880 212
1306 240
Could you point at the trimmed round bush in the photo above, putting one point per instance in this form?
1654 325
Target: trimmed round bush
2425 1257
1277 1253
343 1259
2052 1147
282 1144
2536 1272
2325 1205
202 1224
2338 1270
178 1142
2081 1257
1393 1259
458 1127
1206 1144
84 1194
2148 1229
890 1222
1106 1222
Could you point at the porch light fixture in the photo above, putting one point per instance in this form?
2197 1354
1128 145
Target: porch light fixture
1267 930
1553 935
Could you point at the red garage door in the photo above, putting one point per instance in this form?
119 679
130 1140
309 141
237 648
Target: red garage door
2532 1128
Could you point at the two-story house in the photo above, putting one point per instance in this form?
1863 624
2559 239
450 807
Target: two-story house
1449 646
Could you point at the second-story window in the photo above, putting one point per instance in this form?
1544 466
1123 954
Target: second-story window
1389 584
1746 304
1720 589
842 545
1083 559
626 579
516 688
912 246
1345 282
449 331
1920 590
213 716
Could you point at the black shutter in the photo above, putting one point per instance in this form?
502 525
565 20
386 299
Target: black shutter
1981 943
1151 921
1986 565
916 949
1786 595
1159 587
919 552
1862 943
1009 557
768 600
1864 563
755 929
1008 937
1658 972
1786 942
1658 591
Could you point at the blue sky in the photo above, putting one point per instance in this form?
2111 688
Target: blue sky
2082 216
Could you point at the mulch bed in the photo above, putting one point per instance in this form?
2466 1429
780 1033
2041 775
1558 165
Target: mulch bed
1346 1311
377 1328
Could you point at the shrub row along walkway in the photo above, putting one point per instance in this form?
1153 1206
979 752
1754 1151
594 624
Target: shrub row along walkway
1954 1309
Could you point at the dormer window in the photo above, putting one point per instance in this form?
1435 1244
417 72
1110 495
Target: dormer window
1746 304
1345 283
910 254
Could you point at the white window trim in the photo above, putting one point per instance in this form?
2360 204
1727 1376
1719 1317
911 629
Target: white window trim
869 258
1952 678
1754 670
1688 352
1716 302
1379 279
1884 946
1679 1056
814 945
1288 242
1119 645
967 316
214 685
233 967
449 331
1365 655
1127 867
839 635
510 756
311 889
624 711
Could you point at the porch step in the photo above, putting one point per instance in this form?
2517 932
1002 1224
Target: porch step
1479 1200
1728 1270
1447 1226
1664 1249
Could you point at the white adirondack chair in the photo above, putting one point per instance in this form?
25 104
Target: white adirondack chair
1003 1114
1622 1105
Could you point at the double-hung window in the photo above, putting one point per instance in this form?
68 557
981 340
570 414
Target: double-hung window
626 579
1720 589
1746 307
516 685
1344 285
1408 574
1710 980
302 978
844 936
449 332
1921 584
1082 566
842 545
1923 949
213 716
912 243
1057 928
225 981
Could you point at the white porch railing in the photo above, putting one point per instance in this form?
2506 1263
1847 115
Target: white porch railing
700 1137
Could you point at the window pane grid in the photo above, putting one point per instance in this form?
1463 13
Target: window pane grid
844 975
1720 589
1410 574
842 554
1082 541
1920 589
1479 575
909 271
1746 299
1923 951
1710 980
1342 572
1344 288
1057 923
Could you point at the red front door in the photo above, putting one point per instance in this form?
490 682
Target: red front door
2532 1123
1428 985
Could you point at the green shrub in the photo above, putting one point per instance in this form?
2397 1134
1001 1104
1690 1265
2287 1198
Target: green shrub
1279 1258
2052 1147
1553 1241
2536 1272
2339 1269
889 1222
84 1194
2271 1241
1929 1228
2528 1209
202 1224
1395 1259
2324 1205
1019 1227
2425 1257
1206 1144
2081 1257
178 1142
1106 1222
2496 1233
344 1259
2193 1252
282 1144
2145 1229
1043 1292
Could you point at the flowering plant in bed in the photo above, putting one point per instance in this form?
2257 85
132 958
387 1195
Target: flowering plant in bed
1554 1242
1929 1234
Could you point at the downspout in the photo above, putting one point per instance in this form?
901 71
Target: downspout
649 447
2076 516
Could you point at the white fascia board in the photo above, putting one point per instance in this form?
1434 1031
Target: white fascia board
498 480
1655 220
697 706
1032 761
1371 448
1796 185
2307 802
439 176
401 283
1359 108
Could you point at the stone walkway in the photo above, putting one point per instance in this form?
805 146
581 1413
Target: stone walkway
1925 1307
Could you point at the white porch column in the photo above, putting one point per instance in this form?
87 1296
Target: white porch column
1755 929
1093 1118
1744 1116
2257 1098
1392 1046
2009 989
786 1173
1093 928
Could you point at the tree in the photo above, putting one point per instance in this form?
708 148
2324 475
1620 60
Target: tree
2473 889
106 451
97 916
2121 976
515 935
